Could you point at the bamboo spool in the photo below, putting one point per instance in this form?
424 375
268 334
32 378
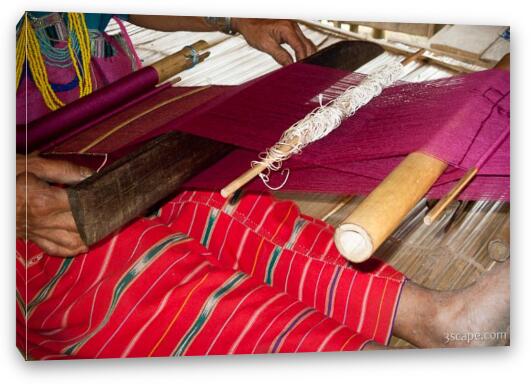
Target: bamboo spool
382 211
179 61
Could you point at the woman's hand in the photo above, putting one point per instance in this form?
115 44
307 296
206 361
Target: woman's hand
267 35
43 210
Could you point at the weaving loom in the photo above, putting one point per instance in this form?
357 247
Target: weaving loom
193 108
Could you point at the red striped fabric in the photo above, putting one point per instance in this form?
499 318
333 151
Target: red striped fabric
204 276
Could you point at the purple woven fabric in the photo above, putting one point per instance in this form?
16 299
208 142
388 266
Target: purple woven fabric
310 178
455 119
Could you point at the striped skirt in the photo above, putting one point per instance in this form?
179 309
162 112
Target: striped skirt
204 276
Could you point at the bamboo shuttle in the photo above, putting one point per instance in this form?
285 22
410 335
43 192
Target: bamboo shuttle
382 211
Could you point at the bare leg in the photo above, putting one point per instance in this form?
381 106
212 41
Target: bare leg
473 316
373 346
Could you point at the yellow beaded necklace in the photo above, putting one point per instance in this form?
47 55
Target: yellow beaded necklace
28 47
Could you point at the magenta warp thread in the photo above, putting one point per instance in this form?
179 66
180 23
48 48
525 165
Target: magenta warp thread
456 119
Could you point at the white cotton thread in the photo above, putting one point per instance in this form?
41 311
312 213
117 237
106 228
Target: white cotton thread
323 120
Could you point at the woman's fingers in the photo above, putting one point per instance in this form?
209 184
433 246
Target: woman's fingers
57 171
44 217
290 36
308 44
55 249
278 53
268 36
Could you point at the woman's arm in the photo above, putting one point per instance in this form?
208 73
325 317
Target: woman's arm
266 35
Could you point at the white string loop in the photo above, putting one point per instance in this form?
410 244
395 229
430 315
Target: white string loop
324 119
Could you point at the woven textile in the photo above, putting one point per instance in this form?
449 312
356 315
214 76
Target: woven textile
205 276
455 119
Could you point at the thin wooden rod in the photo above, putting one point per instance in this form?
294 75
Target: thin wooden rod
336 209
442 204
387 46
416 56
254 171
138 116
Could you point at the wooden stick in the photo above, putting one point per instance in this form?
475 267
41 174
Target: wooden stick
128 121
251 173
442 204
349 35
414 57
254 171
179 61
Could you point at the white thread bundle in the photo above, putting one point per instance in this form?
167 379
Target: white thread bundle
324 119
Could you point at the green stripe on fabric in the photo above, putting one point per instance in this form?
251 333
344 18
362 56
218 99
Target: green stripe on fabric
207 309
232 203
51 284
299 224
214 214
126 280
21 303
272 264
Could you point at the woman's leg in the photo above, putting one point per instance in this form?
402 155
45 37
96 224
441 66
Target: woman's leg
474 316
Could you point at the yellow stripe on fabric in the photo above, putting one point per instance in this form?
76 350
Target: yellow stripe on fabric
272 239
177 315
346 342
